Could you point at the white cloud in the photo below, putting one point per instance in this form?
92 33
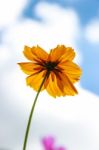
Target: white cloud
58 26
92 31
4 55
10 10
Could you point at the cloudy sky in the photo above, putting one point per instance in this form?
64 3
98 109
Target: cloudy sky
48 23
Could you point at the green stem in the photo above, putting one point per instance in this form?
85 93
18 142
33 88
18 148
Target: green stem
31 113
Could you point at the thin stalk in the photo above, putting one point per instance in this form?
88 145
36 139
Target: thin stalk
31 113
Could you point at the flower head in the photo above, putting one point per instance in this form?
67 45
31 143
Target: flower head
49 144
58 67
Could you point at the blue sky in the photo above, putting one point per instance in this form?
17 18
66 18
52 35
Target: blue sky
85 8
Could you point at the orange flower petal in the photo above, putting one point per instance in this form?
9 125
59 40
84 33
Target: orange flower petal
28 53
64 88
35 53
52 86
62 53
28 68
50 89
57 88
68 55
68 87
35 80
72 70
39 53
61 86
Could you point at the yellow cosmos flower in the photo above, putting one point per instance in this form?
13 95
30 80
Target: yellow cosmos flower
57 66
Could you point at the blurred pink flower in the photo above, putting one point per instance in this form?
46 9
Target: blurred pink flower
49 144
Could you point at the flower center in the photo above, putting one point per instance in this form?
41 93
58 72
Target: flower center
50 66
